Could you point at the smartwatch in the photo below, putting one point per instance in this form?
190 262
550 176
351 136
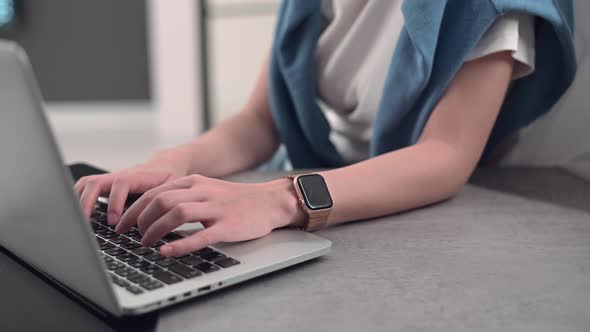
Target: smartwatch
314 198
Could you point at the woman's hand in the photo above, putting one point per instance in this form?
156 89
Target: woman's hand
229 211
135 180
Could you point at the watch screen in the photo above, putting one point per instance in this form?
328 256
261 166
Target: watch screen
315 192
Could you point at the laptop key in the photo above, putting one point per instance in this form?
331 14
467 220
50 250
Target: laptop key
106 246
172 237
130 245
167 277
202 251
114 265
121 282
151 269
184 271
142 251
100 218
151 284
108 234
100 231
166 262
96 226
125 272
140 263
115 251
134 260
99 240
155 256
138 278
211 256
119 239
137 237
226 262
191 260
207 267
115 279
127 257
132 232
134 289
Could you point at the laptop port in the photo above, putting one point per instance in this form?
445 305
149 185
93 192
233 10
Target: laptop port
172 299
204 289
187 294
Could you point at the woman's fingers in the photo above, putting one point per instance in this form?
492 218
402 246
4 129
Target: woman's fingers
118 196
79 186
120 189
132 214
164 202
178 215
92 190
194 242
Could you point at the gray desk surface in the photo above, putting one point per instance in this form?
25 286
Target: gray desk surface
510 253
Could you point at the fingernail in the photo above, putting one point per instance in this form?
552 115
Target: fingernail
167 250
113 218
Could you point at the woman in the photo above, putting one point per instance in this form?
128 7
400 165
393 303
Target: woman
399 99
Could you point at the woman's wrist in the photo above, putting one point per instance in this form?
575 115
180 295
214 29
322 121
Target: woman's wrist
289 212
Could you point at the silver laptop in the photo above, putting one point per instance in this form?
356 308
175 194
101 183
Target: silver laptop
42 224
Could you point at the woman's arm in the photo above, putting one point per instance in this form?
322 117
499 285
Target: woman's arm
243 141
439 165
434 169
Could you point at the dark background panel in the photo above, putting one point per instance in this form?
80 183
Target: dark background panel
86 50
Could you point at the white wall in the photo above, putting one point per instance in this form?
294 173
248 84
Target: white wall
238 48
240 35
174 61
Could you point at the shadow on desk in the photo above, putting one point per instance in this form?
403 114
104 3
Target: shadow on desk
547 185
30 303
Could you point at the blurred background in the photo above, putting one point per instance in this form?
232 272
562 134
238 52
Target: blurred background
122 79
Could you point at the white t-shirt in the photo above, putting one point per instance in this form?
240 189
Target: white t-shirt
353 56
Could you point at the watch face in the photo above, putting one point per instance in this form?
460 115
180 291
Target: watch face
315 192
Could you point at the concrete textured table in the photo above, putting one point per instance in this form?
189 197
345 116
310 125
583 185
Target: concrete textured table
510 253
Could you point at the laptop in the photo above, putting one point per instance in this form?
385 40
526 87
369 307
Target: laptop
42 224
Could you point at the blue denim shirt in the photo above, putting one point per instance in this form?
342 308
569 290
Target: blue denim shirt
437 37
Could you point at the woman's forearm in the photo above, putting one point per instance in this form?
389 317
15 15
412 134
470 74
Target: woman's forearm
406 179
239 143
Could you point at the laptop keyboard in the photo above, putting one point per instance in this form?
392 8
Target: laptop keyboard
139 269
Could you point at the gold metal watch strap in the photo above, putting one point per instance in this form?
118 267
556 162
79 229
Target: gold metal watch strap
317 222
